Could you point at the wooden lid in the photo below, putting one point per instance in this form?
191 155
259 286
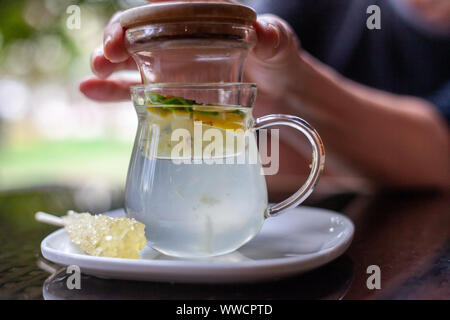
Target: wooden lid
187 11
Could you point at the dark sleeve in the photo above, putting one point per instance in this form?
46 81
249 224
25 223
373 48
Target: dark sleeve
298 13
314 21
441 99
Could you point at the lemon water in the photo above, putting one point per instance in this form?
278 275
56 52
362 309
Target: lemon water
196 210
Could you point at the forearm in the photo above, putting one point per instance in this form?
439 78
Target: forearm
393 140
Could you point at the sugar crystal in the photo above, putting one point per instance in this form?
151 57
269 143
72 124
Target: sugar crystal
101 235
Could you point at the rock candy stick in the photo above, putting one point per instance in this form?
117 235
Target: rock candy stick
101 235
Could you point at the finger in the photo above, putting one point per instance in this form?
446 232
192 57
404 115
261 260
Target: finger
106 90
275 38
103 68
113 41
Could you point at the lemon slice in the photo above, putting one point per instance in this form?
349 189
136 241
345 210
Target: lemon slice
221 124
209 116
231 121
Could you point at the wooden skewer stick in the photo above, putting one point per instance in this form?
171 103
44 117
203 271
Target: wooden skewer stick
49 219
46 266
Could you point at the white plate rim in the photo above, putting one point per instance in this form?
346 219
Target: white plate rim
285 265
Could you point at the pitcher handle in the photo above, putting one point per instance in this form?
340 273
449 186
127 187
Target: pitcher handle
318 158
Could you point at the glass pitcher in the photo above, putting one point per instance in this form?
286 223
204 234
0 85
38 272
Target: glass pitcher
195 200
195 176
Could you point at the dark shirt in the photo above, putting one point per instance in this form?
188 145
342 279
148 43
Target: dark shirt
399 58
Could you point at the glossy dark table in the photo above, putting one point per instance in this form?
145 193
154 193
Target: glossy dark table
406 234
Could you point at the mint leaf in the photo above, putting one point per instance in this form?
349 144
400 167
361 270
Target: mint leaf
239 112
159 99
156 98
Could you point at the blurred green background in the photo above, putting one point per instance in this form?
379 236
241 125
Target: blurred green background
51 136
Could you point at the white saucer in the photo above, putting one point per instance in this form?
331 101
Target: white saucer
297 241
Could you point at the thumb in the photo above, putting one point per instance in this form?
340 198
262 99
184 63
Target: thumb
276 39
